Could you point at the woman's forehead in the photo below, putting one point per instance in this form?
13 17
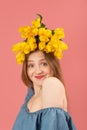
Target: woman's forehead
38 55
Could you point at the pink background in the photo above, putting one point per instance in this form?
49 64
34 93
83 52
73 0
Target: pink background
69 14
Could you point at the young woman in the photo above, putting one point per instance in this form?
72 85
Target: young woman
45 106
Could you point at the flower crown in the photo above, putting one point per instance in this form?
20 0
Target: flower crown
38 36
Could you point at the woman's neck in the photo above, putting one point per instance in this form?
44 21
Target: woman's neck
37 90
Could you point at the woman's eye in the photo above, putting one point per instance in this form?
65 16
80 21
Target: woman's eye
44 64
31 66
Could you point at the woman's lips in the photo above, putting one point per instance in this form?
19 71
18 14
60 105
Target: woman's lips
40 76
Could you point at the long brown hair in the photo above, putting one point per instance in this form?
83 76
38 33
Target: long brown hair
52 61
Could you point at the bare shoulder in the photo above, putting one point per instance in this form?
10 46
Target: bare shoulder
53 84
53 92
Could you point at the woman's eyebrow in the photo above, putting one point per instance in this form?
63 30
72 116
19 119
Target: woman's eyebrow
29 60
42 59
33 60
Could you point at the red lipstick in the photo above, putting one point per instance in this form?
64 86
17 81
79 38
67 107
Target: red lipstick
39 77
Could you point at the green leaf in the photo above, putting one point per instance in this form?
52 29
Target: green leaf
52 31
40 16
42 25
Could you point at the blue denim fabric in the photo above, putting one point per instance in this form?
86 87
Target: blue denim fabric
52 118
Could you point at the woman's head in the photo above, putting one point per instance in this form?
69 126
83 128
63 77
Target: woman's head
50 45
39 65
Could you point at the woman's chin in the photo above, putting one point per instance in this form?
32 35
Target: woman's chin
39 83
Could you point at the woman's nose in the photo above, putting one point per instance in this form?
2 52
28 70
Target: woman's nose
38 69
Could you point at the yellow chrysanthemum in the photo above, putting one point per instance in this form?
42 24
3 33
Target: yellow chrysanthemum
44 34
33 46
36 23
34 32
58 53
42 46
48 48
18 46
26 49
31 40
63 45
32 43
44 38
25 31
20 57
59 32
43 31
54 39
48 33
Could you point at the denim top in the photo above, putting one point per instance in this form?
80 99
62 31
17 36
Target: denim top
51 118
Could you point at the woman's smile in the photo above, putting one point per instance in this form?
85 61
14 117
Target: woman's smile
39 76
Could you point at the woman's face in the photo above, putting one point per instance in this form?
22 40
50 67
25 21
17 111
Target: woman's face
38 68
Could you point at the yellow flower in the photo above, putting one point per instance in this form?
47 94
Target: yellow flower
48 33
26 49
59 32
54 39
48 48
44 34
43 31
32 43
42 46
31 40
63 45
36 23
18 46
34 32
20 57
44 39
58 53
55 45
25 31
33 46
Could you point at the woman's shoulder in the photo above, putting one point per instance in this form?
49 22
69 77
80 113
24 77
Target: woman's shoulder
53 93
53 84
